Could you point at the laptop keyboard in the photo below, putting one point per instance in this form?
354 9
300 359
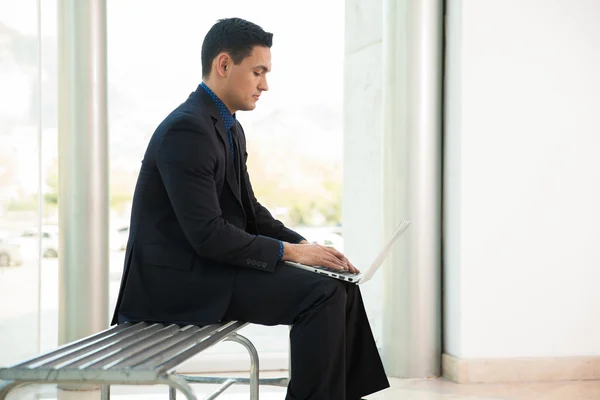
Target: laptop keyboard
335 271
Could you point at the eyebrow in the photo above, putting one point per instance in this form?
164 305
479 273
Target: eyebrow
265 69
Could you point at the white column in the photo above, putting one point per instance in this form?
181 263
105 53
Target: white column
412 61
362 195
83 171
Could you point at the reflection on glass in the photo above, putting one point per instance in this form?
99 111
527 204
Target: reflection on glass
19 180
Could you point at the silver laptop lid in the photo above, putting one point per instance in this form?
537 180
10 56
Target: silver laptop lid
385 251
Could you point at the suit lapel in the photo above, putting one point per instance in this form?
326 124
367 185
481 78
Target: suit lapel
230 172
238 152
244 184
203 98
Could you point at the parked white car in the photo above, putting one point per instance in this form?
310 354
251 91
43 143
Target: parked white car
323 236
329 239
123 233
29 240
10 253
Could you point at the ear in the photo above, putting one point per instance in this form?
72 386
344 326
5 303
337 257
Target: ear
223 64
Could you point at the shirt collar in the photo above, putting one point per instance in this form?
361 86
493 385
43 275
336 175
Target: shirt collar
228 119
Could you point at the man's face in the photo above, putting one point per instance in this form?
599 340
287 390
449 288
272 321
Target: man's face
248 80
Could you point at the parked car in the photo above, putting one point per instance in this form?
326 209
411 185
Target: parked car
323 236
329 239
29 240
10 253
123 233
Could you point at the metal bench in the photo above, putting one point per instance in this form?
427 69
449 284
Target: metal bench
136 354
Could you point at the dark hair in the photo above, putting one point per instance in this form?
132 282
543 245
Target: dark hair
235 36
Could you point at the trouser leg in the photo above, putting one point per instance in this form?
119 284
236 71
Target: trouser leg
333 352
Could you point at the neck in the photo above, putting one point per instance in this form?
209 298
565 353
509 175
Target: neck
220 92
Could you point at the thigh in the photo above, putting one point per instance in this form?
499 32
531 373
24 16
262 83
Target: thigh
278 298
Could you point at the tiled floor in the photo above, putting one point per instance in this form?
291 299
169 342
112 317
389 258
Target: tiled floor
435 389
445 390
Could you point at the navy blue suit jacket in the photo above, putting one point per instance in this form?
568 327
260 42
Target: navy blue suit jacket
194 222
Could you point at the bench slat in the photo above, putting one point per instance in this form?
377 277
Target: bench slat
78 376
172 351
136 348
205 344
77 344
65 359
135 358
117 346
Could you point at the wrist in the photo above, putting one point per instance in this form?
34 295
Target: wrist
289 251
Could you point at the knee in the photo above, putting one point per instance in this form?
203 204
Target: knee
334 290
327 299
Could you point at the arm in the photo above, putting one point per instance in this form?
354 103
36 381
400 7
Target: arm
186 160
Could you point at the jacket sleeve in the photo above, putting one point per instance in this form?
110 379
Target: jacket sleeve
187 161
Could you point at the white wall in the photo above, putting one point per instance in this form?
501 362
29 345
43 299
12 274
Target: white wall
522 172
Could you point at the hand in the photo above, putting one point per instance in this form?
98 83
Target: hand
315 254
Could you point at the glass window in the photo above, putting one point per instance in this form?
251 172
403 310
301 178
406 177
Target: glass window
19 180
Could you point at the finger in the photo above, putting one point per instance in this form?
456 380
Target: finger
347 264
333 262
342 266
336 252
351 267
339 262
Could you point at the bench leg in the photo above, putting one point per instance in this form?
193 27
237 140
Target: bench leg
7 387
254 366
172 393
105 392
176 383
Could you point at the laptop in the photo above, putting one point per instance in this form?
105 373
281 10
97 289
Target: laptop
364 276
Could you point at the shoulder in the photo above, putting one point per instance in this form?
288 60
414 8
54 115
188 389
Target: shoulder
189 116
187 135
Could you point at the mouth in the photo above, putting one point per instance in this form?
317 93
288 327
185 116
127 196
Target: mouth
256 97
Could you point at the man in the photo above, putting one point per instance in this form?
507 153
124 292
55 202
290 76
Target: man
202 249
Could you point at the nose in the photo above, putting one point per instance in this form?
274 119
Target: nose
263 85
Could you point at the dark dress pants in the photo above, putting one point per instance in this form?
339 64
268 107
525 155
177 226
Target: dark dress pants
333 352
